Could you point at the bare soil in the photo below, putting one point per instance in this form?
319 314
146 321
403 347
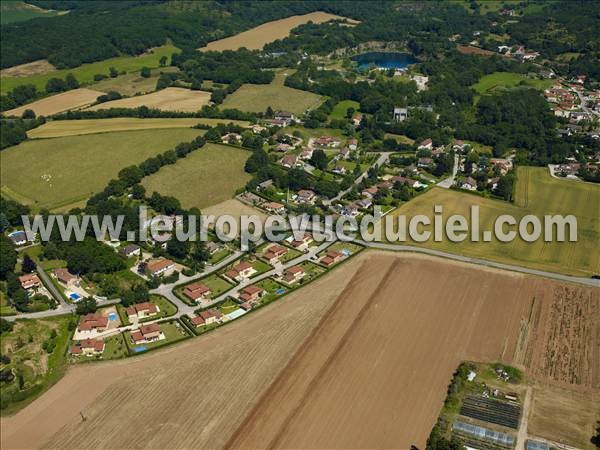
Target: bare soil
169 99
38 67
74 99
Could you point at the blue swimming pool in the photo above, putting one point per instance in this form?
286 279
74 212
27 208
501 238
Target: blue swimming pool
139 349
112 316
74 296
280 291
346 252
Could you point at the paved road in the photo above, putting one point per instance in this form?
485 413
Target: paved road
448 182
482 262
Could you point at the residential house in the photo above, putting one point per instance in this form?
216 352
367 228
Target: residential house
357 119
293 274
306 196
274 207
353 144
196 291
493 182
339 169
285 116
159 267
458 145
257 129
88 347
578 116
351 210
369 192
240 271
130 250
251 294
364 203
400 114
344 153
421 81
306 153
427 144
331 257
231 137
327 141
92 322
142 310
29 281
438 151
282 147
277 123
18 237
207 317
503 164
303 242
469 184
273 253
289 161
212 247
147 333
65 277
425 162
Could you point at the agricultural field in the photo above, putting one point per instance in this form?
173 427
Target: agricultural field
536 193
32 68
506 80
17 11
65 101
168 99
62 128
340 109
235 208
309 406
36 350
204 178
257 37
50 173
258 97
85 73
132 83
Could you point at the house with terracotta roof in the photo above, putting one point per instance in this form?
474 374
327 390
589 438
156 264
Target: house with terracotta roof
469 184
88 347
369 192
331 257
353 144
273 253
207 317
66 278
240 271
142 310
251 293
197 291
327 141
159 267
306 153
147 333
293 274
302 242
29 281
93 322
306 196
274 207
427 144
424 162
289 161
344 153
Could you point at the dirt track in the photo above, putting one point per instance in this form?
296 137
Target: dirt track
367 353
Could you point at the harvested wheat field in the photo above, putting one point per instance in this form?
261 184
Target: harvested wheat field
235 208
359 359
74 99
168 99
33 68
257 37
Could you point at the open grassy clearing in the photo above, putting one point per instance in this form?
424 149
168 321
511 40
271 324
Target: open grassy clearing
48 173
536 193
74 99
85 73
32 68
400 138
257 37
168 99
17 11
340 109
132 83
206 177
504 80
62 128
258 97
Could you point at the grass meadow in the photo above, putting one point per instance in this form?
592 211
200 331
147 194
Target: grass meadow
50 173
536 193
258 97
17 11
85 73
204 178
503 80
340 109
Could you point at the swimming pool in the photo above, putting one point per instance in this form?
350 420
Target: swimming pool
346 252
280 291
74 296
112 316
139 349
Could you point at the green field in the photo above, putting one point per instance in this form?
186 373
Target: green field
49 173
85 73
133 83
340 109
206 177
503 80
17 11
536 193
258 97
37 351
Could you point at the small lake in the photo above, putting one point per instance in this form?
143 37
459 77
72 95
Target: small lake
384 60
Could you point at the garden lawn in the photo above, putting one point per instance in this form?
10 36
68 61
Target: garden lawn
49 173
206 177
340 109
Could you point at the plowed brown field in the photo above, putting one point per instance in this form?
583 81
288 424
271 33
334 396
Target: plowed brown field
360 358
